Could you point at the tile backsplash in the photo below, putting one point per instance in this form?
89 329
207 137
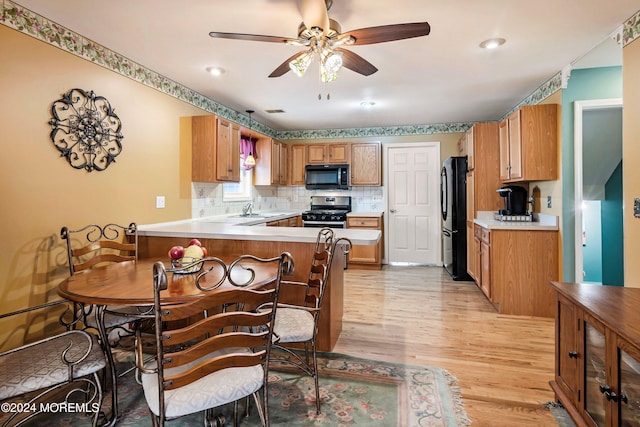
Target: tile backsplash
206 199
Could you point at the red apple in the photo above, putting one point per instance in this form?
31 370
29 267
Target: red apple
204 251
194 242
176 252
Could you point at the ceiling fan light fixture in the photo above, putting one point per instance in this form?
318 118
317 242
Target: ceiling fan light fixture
332 61
301 63
492 43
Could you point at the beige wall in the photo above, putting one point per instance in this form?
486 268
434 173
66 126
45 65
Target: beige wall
41 192
630 159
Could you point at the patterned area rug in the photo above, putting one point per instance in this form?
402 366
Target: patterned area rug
353 391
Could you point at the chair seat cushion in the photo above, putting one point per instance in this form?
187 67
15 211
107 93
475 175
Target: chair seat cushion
216 389
40 365
293 325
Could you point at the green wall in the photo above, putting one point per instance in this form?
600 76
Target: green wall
584 84
612 231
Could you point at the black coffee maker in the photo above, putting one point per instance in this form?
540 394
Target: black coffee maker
515 200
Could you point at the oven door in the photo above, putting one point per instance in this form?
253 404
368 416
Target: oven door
321 224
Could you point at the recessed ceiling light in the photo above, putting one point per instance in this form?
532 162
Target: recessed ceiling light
492 43
215 71
367 104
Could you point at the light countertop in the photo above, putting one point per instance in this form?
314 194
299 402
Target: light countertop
365 214
542 222
232 227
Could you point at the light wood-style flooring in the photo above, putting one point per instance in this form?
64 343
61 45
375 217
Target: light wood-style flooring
419 316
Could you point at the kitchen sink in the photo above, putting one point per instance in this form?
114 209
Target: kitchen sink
251 215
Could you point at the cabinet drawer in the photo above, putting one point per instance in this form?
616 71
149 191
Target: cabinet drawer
363 222
485 235
477 231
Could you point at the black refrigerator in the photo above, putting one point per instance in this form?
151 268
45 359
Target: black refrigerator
453 207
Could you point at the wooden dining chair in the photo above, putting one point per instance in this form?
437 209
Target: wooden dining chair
63 367
222 354
299 323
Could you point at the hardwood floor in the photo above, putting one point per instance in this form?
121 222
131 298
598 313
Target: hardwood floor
418 315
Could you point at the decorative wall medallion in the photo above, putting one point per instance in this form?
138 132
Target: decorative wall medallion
86 130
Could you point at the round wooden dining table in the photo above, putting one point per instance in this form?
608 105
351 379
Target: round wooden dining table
130 284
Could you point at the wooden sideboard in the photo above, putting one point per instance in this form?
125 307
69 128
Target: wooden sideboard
597 364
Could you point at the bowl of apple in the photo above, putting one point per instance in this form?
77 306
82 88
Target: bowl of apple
184 260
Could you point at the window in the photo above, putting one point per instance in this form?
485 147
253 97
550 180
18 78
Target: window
239 191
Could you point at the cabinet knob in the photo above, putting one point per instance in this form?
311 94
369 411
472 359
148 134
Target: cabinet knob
573 354
608 394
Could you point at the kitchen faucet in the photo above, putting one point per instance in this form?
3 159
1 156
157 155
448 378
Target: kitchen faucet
247 209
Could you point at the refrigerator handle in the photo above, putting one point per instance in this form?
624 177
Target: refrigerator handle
444 193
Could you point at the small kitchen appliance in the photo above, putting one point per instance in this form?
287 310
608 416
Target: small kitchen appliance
515 200
327 211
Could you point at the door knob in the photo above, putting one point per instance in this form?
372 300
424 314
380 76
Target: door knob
392 210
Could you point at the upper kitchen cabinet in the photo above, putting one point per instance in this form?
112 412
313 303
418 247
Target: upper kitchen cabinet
469 149
366 164
483 178
215 150
328 153
271 164
297 160
529 144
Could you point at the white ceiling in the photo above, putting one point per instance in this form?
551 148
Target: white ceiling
441 78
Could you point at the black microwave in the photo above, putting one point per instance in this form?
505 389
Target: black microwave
326 177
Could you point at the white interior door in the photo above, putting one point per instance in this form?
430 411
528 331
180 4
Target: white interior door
413 214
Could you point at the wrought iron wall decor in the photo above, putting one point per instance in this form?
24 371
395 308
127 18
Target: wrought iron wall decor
86 130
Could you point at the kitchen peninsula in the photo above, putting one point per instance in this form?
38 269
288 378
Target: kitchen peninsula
235 235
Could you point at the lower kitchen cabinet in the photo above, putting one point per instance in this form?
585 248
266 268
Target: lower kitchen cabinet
365 256
597 368
514 267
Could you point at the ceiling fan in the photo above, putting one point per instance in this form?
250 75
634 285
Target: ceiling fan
322 37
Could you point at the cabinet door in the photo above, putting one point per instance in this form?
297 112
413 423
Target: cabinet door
504 150
629 384
316 154
485 268
515 146
337 153
595 378
471 196
470 251
284 152
203 144
226 170
298 157
471 159
365 164
567 348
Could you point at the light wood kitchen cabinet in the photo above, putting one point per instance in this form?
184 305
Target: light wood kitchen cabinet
215 150
481 259
521 264
472 250
294 221
271 164
297 161
328 153
366 164
529 144
597 369
483 140
365 256
483 180
470 149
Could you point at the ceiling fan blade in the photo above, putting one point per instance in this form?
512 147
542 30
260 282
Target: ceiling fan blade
284 67
251 37
314 14
356 63
387 33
